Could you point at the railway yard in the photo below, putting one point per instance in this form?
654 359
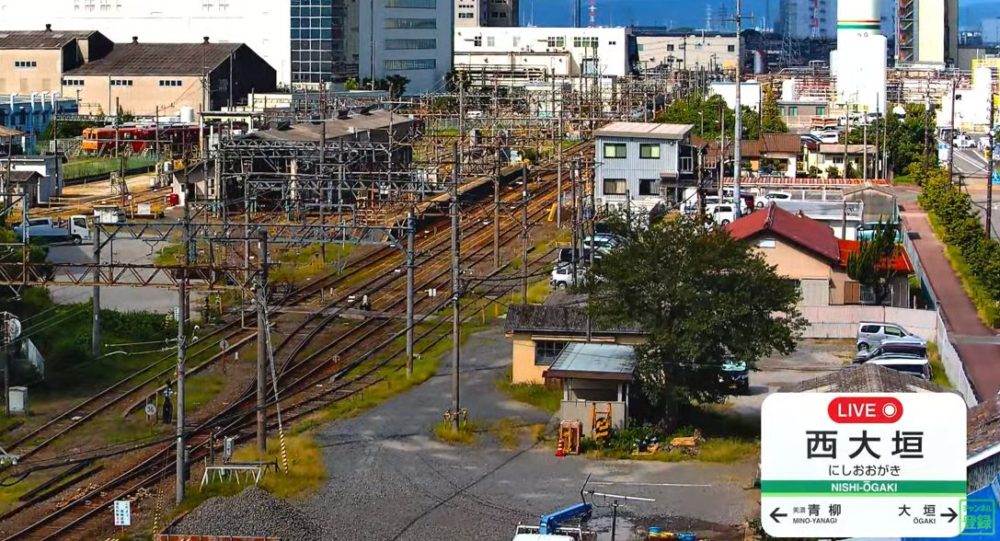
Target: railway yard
327 337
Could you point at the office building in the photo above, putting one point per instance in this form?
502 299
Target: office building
486 13
306 41
518 56
409 38
991 31
807 19
686 51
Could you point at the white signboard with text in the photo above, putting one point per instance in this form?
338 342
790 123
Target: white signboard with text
863 465
123 513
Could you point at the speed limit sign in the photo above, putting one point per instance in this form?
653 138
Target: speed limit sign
150 409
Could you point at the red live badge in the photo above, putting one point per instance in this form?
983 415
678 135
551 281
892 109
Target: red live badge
865 409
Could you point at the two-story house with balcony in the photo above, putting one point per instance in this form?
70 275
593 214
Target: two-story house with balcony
643 164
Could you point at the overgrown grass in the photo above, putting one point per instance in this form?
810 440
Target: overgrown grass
464 435
940 377
306 470
85 167
538 395
986 306
200 389
508 433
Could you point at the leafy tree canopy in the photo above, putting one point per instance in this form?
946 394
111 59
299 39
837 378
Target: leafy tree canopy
698 294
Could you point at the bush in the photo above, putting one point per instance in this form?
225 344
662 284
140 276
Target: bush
953 213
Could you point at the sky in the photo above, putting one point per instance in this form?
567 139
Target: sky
673 13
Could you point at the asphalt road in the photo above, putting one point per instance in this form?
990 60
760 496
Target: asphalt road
970 163
388 478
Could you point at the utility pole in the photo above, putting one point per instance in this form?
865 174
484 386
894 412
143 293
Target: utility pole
847 138
524 234
738 137
95 331
951 136
864 148
559 168
496 210
262 352
181 314
456 320
990 170
576 252
411 257
927 121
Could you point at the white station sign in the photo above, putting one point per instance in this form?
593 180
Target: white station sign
863 465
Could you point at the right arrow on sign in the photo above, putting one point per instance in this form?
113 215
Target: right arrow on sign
951 514
776 515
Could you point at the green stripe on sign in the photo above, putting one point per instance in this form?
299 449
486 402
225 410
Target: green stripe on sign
859 26
863 487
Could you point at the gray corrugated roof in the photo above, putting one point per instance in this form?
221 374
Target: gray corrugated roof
139 59
611 359
558 320
645 130
866 378
40 39
336 127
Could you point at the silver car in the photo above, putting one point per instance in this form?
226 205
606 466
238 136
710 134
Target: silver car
871 334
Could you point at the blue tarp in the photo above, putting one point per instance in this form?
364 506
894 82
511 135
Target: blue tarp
981 516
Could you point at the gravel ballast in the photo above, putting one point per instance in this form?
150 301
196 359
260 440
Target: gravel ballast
251 512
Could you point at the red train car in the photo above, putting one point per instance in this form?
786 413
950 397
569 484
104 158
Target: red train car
137 139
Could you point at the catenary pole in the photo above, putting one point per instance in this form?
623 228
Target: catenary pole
738 132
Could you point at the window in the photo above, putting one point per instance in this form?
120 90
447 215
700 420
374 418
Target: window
491 41
793 111
556 42
411 23
649 151
121 82
612 42
25 64
398 44
821 111
615 186
72 82
465 15
170 82
670 46
614 150
477 41
766 243
687 164
425 4
647 186
731 48
403 65
893 331
869 329
546 352
585 42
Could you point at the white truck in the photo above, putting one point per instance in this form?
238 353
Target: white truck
51 230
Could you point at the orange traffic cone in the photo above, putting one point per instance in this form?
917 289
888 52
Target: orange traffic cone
560 451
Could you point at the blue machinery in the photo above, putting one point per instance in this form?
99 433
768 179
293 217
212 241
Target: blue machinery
549 523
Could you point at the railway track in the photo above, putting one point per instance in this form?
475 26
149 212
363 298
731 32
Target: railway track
297 374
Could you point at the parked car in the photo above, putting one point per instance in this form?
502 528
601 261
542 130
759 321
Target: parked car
721 213
735 376
906 364
562 275
828 136
602 242
871 334
893 347
964 141
565 255
771 197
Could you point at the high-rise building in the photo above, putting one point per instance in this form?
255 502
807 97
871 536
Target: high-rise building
410 38
927 32
469 13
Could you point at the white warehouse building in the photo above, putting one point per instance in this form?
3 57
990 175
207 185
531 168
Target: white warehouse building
518 56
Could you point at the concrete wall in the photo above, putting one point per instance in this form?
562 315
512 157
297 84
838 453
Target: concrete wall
709 52
580 410
953 363
46 76
842 321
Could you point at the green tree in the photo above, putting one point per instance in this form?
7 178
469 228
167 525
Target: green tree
771 113
870 265
351 84
697 294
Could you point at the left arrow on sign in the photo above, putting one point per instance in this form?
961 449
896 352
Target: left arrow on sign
951 514
776 515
